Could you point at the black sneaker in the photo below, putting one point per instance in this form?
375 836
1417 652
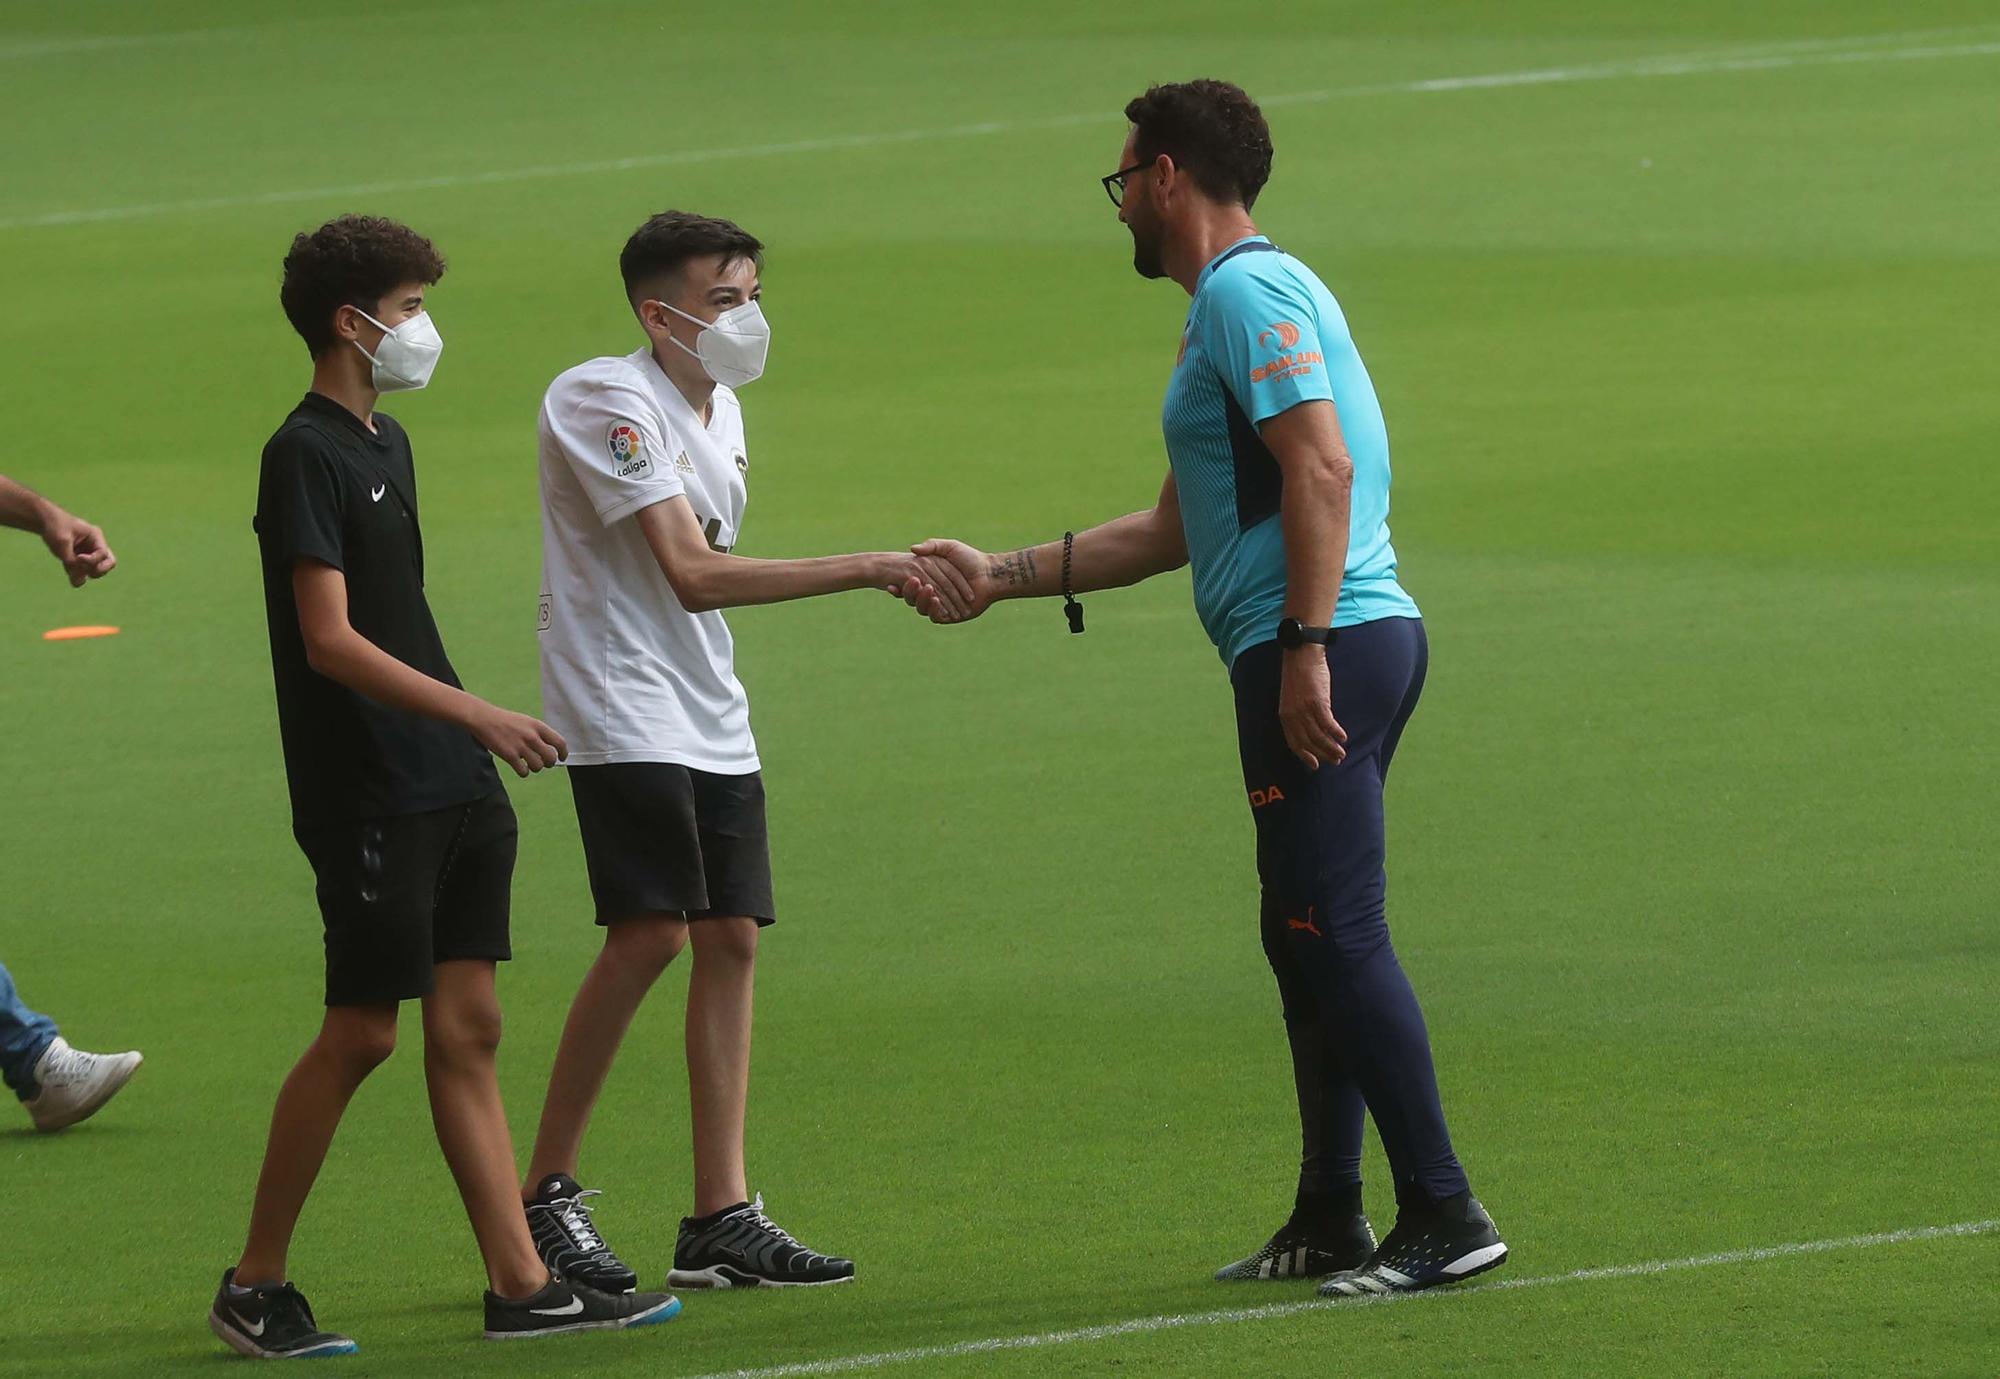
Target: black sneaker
559 1218
562 1306
1449 1243
271 1323
743 1248
1295 1252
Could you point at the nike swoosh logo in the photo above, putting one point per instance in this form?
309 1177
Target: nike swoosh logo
575 1306
244 1322
376 493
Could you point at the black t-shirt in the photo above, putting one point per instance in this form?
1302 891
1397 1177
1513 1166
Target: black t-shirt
333 491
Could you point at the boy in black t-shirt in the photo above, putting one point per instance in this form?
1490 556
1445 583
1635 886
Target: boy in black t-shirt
394 802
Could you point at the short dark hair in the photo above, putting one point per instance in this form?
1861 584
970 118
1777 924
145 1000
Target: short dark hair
671 238
355 260
1210 128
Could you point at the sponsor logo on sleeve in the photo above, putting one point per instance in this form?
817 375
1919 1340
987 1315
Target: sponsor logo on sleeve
1286 333
629 459
1291 362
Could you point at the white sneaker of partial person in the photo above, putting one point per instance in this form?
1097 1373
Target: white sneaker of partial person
74 1083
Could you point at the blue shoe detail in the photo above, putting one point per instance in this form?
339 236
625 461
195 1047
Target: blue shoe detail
666 1312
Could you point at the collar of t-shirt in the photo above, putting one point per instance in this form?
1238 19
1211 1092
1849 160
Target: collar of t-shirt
672 398
327 407
1208 269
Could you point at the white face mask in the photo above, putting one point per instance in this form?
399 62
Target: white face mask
406 355
732 350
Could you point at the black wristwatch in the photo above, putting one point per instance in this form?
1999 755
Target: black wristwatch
1292 633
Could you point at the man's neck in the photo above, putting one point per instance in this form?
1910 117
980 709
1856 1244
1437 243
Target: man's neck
687 375
1212 230
338 380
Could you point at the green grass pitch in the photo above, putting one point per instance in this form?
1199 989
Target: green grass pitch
1688 367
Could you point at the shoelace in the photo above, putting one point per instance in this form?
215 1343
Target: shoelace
575 1217
67 1066
287 1301
757 1218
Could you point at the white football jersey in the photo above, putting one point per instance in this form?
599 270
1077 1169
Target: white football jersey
627 673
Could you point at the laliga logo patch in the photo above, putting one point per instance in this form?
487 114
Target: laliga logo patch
1287 333
629 459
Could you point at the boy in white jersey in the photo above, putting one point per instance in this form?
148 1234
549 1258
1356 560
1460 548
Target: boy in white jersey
643 474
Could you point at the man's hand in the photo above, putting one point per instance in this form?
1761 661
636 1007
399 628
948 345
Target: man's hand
79 546
1305 709
928 584
524 743
953 582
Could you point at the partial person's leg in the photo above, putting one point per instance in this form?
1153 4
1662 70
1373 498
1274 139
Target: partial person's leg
635 952
1332 1114
353 1041
1324 834
372 901
25 1036
461 1046
720 996
1341 849
642 847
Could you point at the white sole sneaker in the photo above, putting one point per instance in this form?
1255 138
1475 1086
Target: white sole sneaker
76 1094
720 1278
652 1316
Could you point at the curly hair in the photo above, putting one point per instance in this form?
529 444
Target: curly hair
671 238
355 260
1210 128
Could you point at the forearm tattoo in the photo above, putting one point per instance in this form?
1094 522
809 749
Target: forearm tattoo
1015 571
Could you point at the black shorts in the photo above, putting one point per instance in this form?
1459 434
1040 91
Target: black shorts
659 837
401 895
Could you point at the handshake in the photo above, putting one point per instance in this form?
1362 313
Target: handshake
951 582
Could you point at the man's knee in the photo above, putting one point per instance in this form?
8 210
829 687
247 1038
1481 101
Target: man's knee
1294 988
732 940
645 944
466 1030
358 1038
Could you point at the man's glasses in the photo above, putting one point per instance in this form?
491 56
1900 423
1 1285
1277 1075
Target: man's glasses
1114 185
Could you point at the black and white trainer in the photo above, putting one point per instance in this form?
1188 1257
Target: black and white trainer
562 1306
744 1248
1296 1252
1447 1243
273 1322
559 1219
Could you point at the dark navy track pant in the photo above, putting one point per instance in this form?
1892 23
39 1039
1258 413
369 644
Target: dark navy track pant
1357 1033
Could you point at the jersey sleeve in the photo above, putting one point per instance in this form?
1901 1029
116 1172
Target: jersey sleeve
618 446
304 502
1261 329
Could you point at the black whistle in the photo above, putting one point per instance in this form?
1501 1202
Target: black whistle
1074 611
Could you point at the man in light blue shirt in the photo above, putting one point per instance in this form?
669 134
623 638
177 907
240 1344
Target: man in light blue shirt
1263 335
1278 496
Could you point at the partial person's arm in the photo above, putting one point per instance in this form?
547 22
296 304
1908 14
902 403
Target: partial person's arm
334 649
76 543
705 579
1319 487
1113 555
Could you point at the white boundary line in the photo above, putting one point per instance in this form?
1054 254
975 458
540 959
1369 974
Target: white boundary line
1765 58
1143 1325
